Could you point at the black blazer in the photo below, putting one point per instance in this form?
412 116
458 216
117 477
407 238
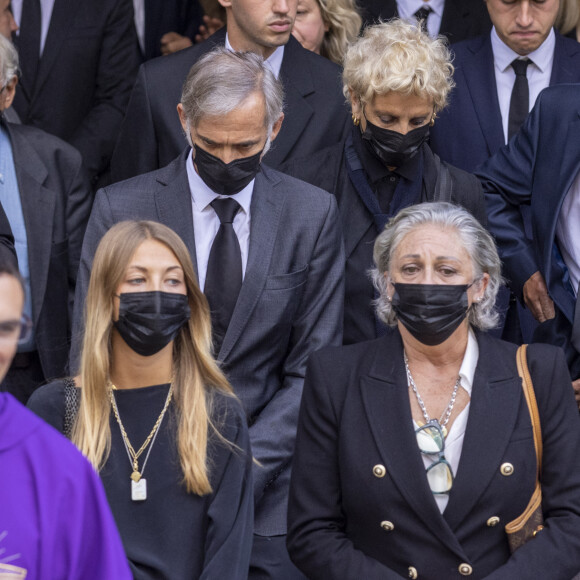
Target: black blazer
84 77
327 170
355 415
56 202
151 135
461 18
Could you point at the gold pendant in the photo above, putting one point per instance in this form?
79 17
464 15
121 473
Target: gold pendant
135 476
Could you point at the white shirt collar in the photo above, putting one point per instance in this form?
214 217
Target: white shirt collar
273 62
470 358
503 55
202 195
407 8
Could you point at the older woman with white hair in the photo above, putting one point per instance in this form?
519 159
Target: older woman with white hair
415 450
396 79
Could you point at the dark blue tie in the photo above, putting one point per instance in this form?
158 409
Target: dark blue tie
422 15
224 270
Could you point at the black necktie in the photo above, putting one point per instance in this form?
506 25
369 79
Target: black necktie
224 270
576 323
29 41
422 15
520 99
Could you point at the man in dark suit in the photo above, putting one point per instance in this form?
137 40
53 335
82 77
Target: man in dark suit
272 269
540 167
483 115
474 125
315 113
79 86
46 197
455 19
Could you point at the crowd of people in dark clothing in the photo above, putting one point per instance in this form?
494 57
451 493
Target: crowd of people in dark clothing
196 197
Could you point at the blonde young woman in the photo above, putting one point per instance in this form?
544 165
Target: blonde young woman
327 27
156 417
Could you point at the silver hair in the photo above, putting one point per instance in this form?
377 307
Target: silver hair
8 61
222 80
476 240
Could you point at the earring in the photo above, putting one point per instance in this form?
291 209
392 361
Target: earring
355 120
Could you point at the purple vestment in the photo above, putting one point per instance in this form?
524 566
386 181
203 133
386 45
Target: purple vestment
55 521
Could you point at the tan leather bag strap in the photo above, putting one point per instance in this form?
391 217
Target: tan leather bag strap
528 388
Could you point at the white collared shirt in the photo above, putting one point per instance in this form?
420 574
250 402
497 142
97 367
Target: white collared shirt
206 222
407 9
568 232
273 62
538 72
46 7
454 439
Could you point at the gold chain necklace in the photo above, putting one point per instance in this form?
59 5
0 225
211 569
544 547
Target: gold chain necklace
138 483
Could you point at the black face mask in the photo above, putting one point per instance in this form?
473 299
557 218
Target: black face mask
394 148
431 312
149 321
226 178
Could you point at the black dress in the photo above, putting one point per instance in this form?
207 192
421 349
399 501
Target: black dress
173 534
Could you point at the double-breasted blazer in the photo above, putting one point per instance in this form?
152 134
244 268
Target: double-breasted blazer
56 201
360 505
151 135
290 303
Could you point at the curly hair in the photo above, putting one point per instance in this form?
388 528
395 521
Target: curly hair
400 57
344 22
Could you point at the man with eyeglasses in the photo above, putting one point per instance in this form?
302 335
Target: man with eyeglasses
55 521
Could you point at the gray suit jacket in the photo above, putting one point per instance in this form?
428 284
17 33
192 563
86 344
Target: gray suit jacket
290 303
56 202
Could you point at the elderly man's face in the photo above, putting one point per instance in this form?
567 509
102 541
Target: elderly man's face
259 25
11 303
523 24
240 133
7 22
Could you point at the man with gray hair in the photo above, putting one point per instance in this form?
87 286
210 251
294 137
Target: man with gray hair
46 198
267 249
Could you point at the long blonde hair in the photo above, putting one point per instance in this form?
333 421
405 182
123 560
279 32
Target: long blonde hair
344 22
196 374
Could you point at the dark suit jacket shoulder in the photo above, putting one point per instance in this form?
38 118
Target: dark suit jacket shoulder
151 135
355 416
56 202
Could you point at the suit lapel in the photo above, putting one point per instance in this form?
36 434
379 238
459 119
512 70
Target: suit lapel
480 80
494 407
38 206
568 170
564 68
173 201
386 400
296 76
266 210
61 22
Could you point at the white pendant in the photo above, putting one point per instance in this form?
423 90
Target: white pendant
139 490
